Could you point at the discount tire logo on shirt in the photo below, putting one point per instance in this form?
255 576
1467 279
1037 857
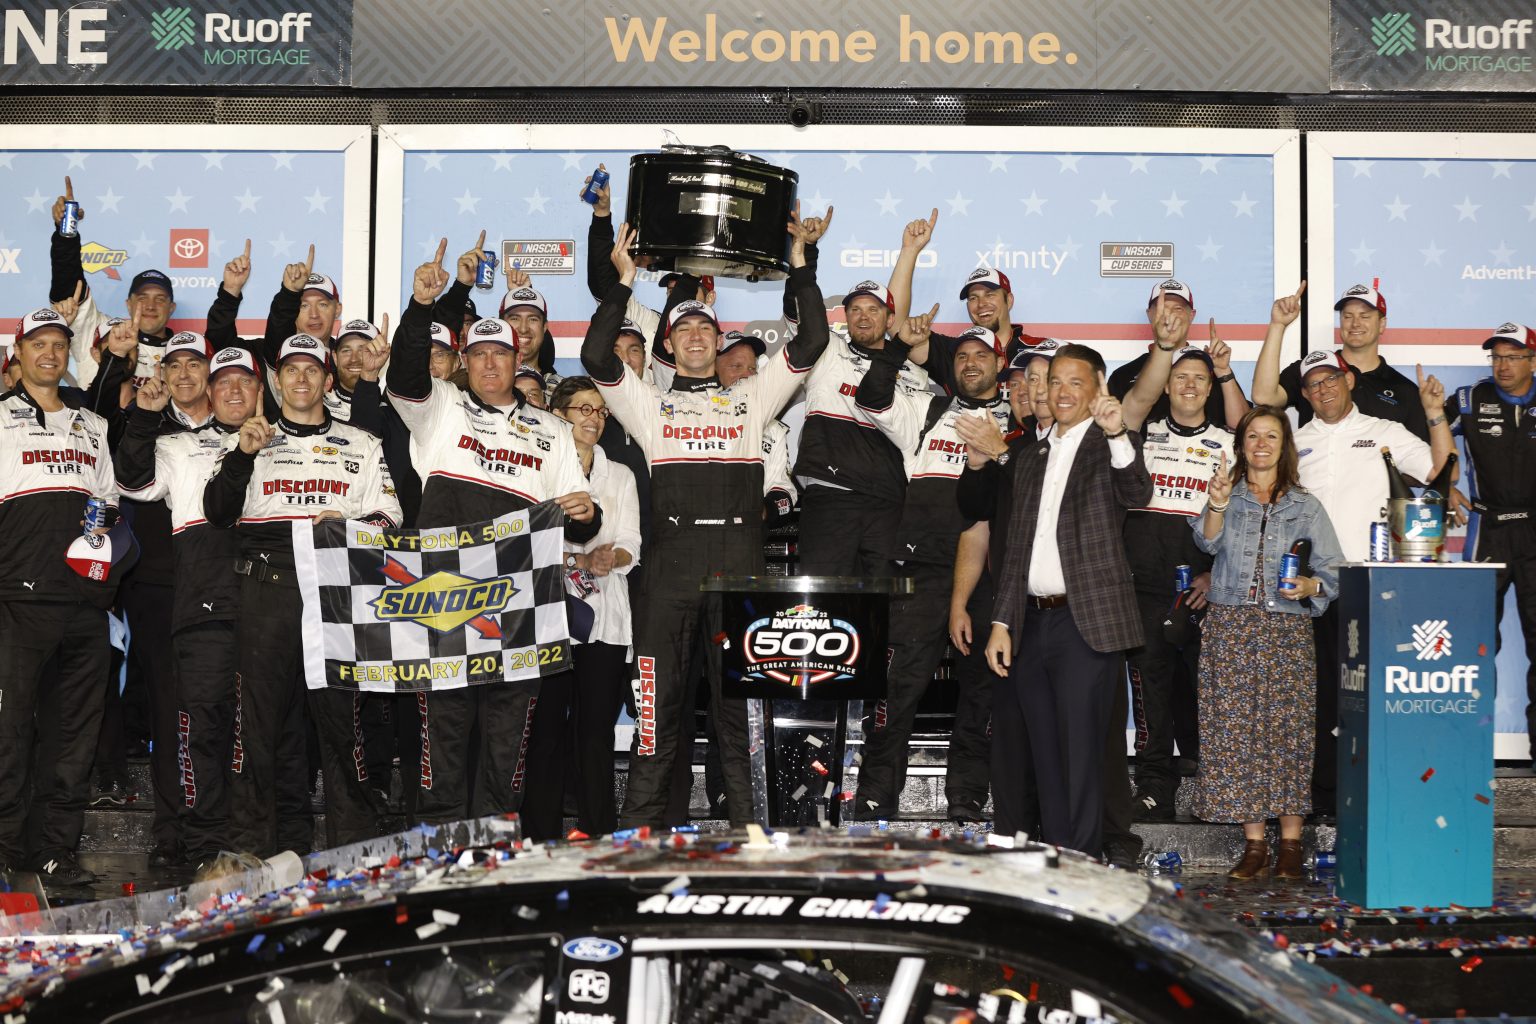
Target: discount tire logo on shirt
801 645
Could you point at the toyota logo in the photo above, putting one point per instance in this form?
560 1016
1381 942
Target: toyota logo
189 248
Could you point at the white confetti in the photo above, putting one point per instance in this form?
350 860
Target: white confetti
125 949
1440 821
798 793
206 959
680 882
334 940
143 983
429 929
176 965
814 741
446 918
269 993
160 983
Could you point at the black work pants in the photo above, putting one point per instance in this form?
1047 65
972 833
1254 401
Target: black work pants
1325 759
1514 544
1162 699
474 750
843 533
207 673
597 689
148 608
968 771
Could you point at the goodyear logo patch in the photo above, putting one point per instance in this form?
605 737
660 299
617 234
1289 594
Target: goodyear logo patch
444 601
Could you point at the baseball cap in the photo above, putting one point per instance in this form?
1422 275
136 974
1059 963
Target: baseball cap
981 334
469 306
733 338
988 276
1319 359
1043 348
1174 289
630 327
190 342
441 335
1190 352
692 307
105 328
40 318
304 345
233 359
321 283
1515 334
879 292
1364 293
360 327
151 279
492 331
531 374
706 281
524 297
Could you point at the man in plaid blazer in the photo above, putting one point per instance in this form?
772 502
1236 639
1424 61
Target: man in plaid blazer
1065 607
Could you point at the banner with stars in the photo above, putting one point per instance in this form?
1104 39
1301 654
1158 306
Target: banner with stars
1045 206
183 200
1445 223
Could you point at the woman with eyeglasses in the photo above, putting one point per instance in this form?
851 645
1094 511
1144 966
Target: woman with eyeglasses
1258 680
596 571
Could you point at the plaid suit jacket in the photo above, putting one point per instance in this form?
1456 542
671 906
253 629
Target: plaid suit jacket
1088 533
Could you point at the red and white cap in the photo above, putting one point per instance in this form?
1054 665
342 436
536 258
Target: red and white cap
233 359
982 334
1366 293
306 345
321 283
1321 359
490 331
879 292
1034 348
691 307
40 318
441 335
105 328
359 327
524 297
1514 334
987 276
630 327
188 342
1174 289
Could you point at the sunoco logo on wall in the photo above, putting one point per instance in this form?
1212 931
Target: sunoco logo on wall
1445 44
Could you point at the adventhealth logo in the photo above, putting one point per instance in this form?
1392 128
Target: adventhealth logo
1393 34
173 28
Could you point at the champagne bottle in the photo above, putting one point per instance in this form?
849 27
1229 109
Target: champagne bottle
1439 488
1397 487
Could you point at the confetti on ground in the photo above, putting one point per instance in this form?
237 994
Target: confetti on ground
1428 774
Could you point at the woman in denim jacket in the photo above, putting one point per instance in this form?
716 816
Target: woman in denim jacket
1258 680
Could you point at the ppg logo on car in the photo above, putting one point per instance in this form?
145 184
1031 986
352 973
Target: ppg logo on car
592 949
801 645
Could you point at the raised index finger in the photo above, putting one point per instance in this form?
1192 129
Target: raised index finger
481 243
442 250
79 285
309 264
247 253
933 218
1418 369
1103 385
69 188
1301 289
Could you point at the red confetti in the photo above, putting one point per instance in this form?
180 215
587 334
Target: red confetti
1367 989
1472 964
721 637
1184 999
1482 650
819 768
1480 798
1007 972
1281 942
1034 991
1427 773
402 913
127 888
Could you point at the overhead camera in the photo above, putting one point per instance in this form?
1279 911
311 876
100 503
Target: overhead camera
804 110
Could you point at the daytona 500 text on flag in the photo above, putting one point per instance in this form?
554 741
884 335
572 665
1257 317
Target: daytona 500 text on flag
397 611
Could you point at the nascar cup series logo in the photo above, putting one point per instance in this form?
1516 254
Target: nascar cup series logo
800 646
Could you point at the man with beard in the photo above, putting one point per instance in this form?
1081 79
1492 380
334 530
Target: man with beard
53 458
155 465
924 427
276 474
704 445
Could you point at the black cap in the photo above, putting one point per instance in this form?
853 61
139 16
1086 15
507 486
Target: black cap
731 339
151 279
469 307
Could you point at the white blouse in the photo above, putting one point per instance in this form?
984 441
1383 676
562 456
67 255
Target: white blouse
613 485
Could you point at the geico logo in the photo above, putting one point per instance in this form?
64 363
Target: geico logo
30 458
222 28
1460 679
337 487
702 433
506 455
884 257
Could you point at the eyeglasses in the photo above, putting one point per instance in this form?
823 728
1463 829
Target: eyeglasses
601 411
1496 360
1328 383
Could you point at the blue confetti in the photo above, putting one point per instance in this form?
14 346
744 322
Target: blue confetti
255 943
563 899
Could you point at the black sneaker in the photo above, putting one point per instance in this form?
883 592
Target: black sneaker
1122 853
64 869
966 812
1149 808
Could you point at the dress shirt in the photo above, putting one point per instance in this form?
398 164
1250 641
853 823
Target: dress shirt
1046 578
1341 464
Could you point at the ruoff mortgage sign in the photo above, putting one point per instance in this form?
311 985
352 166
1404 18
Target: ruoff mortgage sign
176 42
1431 45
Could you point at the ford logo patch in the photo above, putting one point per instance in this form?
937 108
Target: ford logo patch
592 949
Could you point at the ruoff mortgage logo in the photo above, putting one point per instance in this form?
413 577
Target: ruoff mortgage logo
1451 45
1432 640
231 40
1393 34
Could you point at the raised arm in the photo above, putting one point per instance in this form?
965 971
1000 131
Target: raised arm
1266 373
283 314
408 377
913 240
1234 404
1153 379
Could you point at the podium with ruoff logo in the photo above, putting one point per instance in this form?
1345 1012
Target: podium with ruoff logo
1416 703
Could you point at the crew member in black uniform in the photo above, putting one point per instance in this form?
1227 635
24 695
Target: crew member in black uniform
704 445
156 464
1226 404
485 452
923 427
274 474
53 458
1495 421
1379 391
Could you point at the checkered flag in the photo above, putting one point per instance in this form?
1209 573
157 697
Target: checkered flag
397 611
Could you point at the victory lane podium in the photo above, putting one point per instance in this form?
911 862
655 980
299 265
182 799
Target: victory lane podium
805 653
1416 701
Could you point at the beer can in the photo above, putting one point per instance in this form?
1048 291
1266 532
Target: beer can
1323 860
1183 577
1381 542
1290 566
69 224
95 514
485 273
1169 860
590 193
